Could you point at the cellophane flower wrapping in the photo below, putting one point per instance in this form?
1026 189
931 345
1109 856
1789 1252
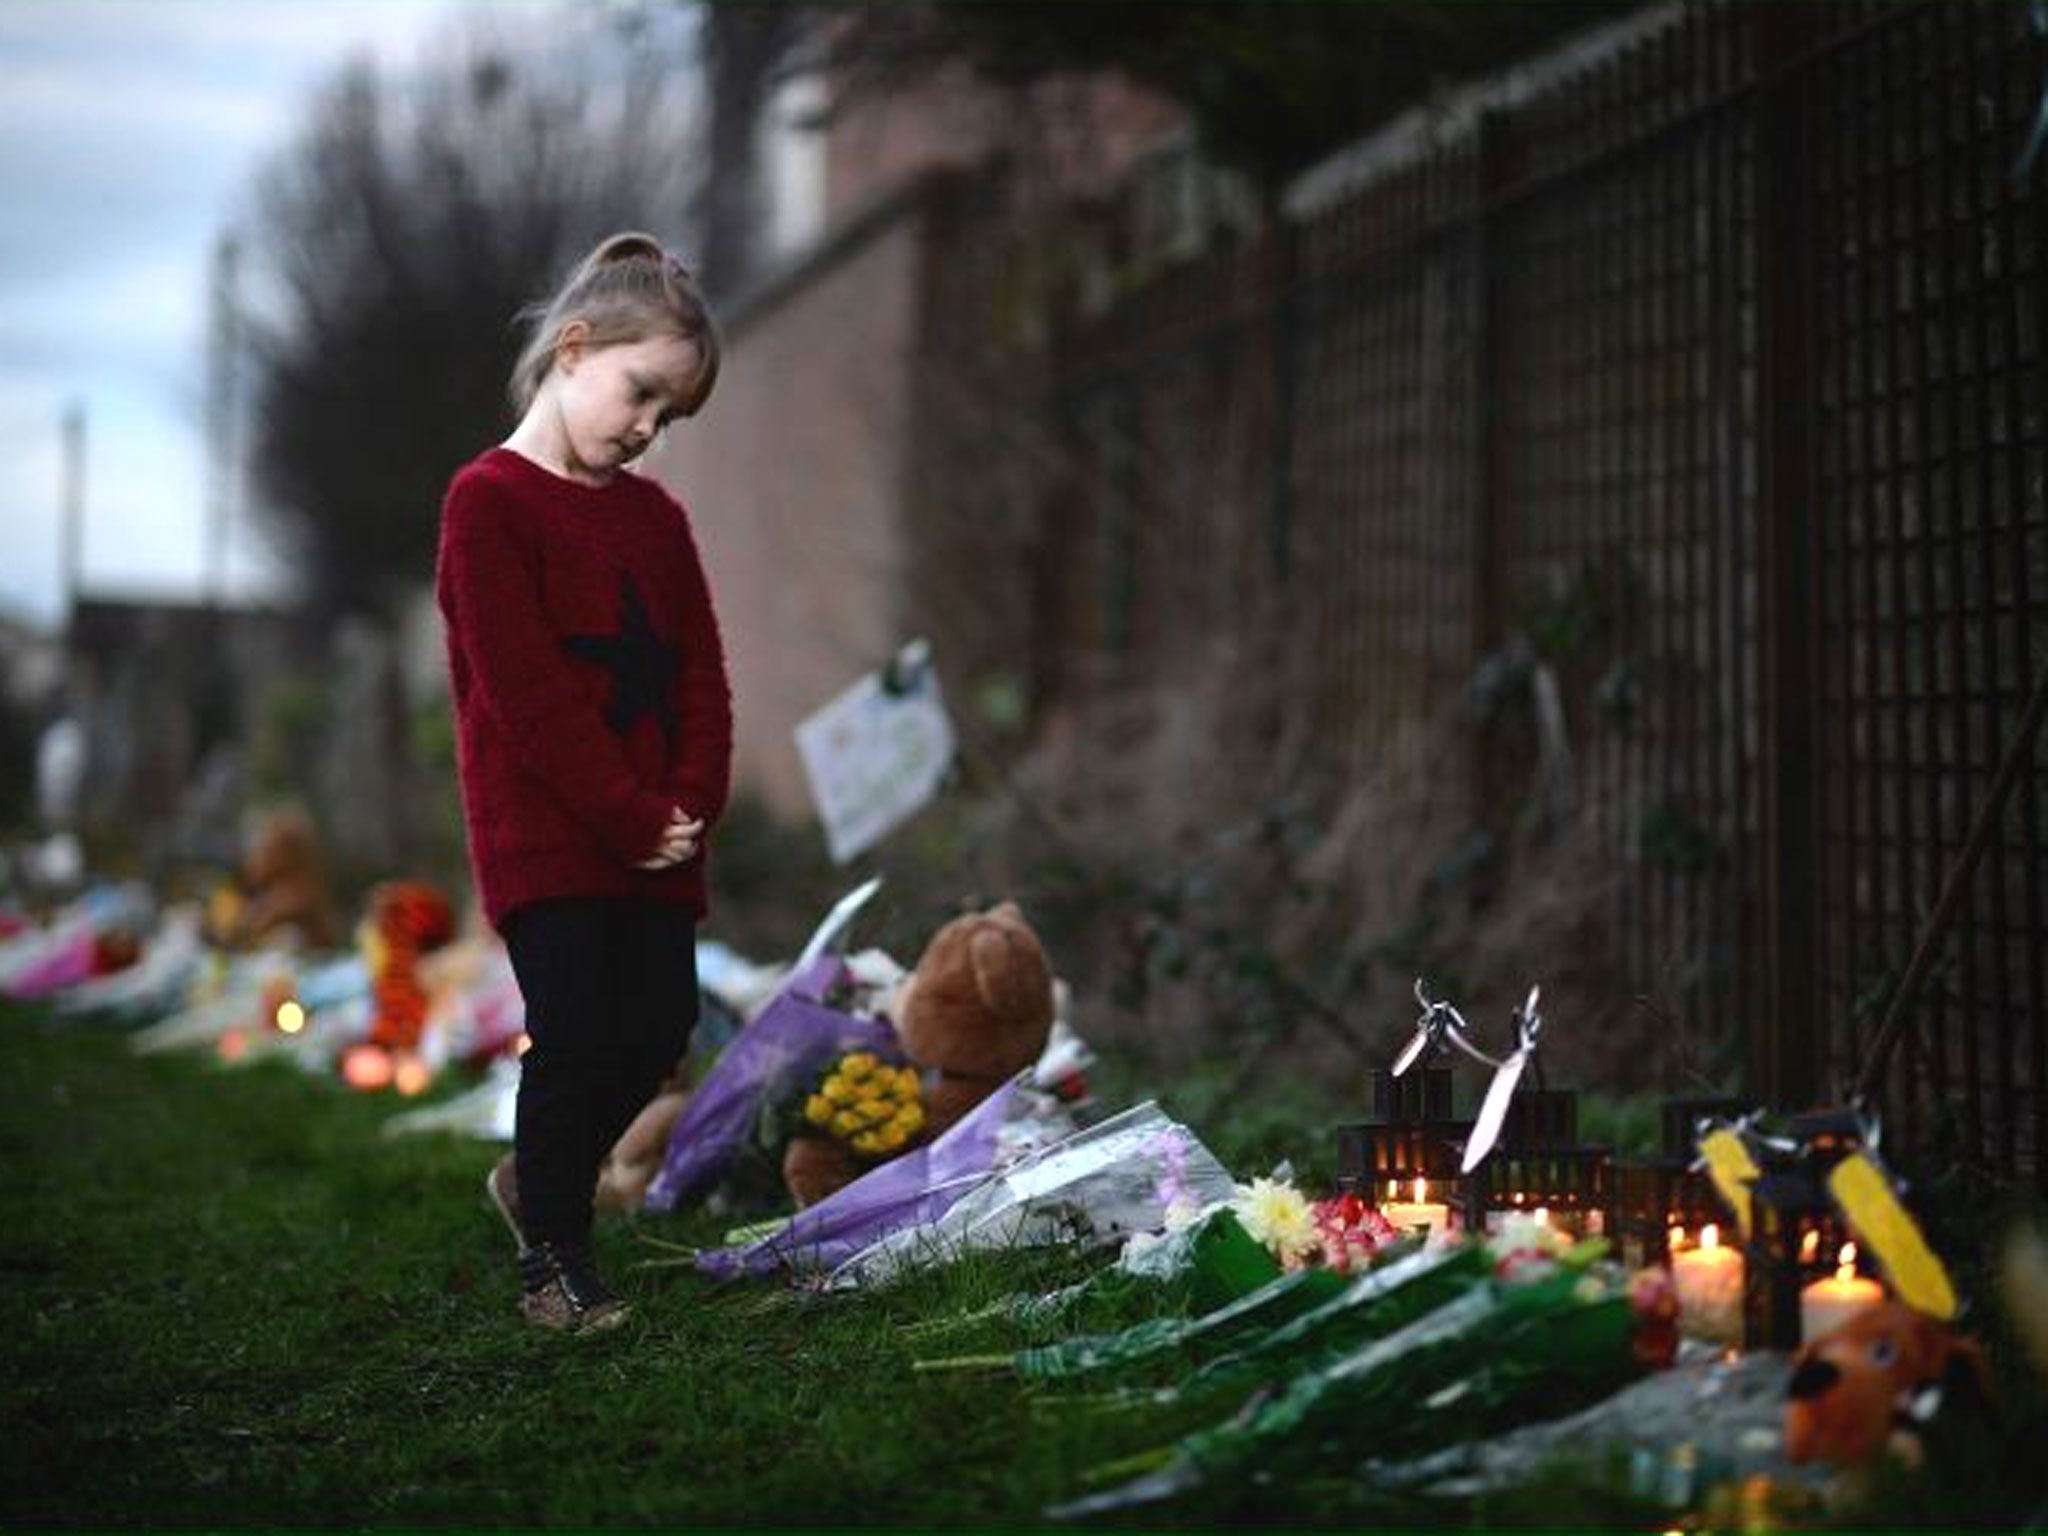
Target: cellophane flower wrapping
155 984
789 1042
1496 1352
908 1192
1096 1185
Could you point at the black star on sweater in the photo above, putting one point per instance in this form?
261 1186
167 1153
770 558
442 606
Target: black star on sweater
643 669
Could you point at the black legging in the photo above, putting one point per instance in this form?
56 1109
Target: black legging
611 995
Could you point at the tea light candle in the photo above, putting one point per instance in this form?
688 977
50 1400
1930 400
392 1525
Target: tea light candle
1708 1280
1420 1214
1827 1304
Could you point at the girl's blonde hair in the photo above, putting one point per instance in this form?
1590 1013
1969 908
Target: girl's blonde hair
626 290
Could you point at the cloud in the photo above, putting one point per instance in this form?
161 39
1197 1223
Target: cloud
129 130
100 314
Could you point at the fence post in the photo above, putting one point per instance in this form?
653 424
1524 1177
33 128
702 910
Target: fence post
1491 462
1783 1049
1279 260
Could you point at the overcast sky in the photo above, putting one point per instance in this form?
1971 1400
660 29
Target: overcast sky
129 132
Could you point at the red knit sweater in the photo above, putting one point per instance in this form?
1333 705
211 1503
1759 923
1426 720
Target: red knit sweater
588 680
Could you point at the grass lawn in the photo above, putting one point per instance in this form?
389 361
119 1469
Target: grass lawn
232 1302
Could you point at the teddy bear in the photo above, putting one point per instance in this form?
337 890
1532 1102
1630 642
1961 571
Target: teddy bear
635 1158
974 1012
285 882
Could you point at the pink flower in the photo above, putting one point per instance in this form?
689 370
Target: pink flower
1349 1232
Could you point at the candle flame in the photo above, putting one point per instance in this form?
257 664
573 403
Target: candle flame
1710 1236
1419 1186
1542 1215
1809 1247
1393 1190
291 1018
1845 1263
1675 1238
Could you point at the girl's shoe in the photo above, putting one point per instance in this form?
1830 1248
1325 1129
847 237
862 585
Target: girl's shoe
560 1289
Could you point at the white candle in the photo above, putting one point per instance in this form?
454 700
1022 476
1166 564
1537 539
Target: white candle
1497 1219
1708 1280
1420 1214
1827 1304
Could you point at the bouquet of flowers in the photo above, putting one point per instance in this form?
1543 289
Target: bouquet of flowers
1350 1233
1342 1233
875 1107
1479 1355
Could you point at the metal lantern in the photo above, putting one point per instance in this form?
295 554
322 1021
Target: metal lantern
1520 1151
1539 1162
1795 1232
1655 1192
1412 1140
1411 1135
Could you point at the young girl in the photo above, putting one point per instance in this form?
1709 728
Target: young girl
594 734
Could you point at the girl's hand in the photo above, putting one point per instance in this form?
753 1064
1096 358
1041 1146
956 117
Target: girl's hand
678 842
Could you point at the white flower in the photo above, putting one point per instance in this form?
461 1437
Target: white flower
1521 1232
1277 1215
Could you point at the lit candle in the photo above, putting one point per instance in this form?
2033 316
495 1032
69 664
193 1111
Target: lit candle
367 1067
1496 1220
1708 1280
1827 1304
411 1076
1417 1215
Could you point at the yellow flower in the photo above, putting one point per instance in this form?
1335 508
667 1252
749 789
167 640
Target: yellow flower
910 1117
866 1142
838 1090
846 1122
818 1109
890 1136
858 1065
908 1083
1277 1215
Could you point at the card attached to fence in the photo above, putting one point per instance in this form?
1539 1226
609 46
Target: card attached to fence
877 753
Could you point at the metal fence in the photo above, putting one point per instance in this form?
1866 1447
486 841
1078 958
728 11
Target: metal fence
1713 368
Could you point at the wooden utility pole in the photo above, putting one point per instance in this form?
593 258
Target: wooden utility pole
72 508
223 401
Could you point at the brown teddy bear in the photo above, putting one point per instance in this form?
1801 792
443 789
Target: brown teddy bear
285 879
975 1012
635 1158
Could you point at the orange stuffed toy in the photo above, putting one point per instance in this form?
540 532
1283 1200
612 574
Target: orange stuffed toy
1871 1384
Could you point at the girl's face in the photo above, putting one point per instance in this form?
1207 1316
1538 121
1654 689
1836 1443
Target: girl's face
613 400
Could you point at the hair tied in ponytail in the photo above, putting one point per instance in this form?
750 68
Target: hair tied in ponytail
628 288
